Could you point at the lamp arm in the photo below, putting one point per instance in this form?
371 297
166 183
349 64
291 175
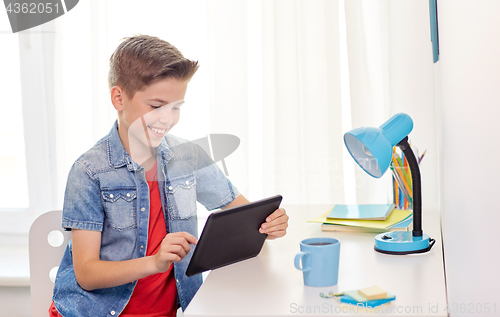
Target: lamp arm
416 186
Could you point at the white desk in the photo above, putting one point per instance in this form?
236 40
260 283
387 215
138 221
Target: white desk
269 284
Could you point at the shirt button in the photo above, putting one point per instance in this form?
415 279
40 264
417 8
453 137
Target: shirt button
187 182
110 195
128 194
112 312
143 209
142 247
170 187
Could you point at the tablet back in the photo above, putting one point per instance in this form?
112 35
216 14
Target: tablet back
232 235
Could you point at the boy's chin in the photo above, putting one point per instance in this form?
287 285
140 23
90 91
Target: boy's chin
152 143
145 146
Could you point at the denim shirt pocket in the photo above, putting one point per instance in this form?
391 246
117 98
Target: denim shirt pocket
120 208
181 196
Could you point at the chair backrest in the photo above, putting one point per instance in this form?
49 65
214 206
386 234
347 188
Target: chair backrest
47 241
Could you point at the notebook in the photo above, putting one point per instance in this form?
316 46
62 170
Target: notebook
361 212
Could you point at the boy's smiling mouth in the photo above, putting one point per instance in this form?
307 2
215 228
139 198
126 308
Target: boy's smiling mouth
158 131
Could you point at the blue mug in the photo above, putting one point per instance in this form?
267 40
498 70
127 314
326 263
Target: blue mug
320 261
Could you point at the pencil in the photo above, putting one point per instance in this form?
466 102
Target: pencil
400 172
401 186
406 171
396 192
420 158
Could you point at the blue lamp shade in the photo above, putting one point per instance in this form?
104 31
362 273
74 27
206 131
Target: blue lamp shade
371 148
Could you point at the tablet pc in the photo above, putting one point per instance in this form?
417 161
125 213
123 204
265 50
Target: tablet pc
232 235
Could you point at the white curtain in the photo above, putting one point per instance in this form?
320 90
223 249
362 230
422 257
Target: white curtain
270 74
277 74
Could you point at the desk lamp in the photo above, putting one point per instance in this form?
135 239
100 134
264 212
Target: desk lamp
372 148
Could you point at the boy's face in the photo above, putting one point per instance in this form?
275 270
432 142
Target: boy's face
145 118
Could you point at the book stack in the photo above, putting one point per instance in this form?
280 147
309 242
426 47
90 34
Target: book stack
372 218
378 218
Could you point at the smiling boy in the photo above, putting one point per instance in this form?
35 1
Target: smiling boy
130 201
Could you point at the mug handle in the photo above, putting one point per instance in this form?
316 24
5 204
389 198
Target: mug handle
299 257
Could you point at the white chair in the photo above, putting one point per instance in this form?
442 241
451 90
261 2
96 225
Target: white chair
47 241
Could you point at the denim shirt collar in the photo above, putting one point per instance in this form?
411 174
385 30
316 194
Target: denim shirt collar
118 156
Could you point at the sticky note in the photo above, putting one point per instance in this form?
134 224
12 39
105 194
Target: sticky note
372 293
356 296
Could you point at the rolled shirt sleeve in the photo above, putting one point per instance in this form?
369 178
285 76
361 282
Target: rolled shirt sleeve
213 189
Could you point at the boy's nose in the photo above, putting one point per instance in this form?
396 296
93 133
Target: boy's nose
166 115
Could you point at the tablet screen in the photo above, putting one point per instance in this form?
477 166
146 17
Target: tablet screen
232 235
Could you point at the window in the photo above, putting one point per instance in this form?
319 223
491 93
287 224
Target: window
14 185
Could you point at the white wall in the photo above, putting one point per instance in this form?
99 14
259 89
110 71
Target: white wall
15 301
391 71
469 68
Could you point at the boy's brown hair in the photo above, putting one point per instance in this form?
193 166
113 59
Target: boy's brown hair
142 60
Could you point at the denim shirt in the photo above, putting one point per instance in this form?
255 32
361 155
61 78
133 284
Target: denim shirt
108 192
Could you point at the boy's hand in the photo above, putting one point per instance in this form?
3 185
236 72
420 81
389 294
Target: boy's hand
174 248
275 225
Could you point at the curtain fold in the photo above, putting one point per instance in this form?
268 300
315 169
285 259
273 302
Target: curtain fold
308 138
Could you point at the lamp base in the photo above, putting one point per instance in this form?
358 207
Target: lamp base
402 242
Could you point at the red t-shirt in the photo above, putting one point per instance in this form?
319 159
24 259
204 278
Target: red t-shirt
154 295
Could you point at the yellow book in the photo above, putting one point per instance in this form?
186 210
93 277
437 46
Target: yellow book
396 216
342 228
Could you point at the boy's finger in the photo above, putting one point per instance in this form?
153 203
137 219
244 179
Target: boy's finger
282 219
277 227
276 234
276 222
177 247
277 213
188 237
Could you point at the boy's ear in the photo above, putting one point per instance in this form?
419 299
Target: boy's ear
117 96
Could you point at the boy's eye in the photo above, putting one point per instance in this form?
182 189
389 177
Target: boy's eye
155 107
